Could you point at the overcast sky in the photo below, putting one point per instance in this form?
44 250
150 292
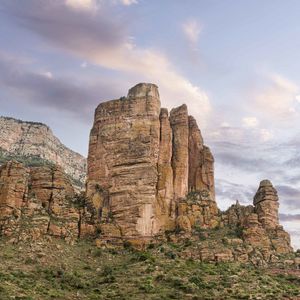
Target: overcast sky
234 63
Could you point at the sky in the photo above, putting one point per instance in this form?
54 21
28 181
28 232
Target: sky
234 63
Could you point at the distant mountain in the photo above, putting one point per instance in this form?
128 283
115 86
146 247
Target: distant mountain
34 144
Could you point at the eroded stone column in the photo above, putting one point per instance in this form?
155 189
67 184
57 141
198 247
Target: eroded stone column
180 129
123 159
266 204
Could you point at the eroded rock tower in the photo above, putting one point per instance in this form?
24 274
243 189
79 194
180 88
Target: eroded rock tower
143 161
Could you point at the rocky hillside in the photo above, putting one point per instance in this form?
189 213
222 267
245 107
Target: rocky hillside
149 173
34 143
57 270
150 181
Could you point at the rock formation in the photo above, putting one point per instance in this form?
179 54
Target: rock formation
180 155
259 222
149 172
141 161
36 201
165 188
150 178
201 162
20 139
266 204
123 158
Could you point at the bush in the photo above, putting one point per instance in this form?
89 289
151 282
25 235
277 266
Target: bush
170 255
140 256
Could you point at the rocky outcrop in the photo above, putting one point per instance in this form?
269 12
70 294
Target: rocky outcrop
50 187
180 155
259 223
13 194
266 204
143 162
199 210
149 172
201 162
150 178
165 188
20 139
123 158
36 201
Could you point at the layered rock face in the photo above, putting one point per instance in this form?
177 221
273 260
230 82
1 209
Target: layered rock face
260 224
123 158
35 202
143 161
150 178
180 154
30 139
149 172
201 162
13 193
266 204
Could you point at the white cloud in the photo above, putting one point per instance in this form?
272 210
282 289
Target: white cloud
105 41
266 135
47 74
250 122
192 30
153 66
225 124
298 98
279 98
83 65
128 2
88 5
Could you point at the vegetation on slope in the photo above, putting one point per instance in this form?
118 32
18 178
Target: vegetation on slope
54 269
33 161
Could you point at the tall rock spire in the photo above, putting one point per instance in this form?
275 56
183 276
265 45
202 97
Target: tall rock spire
142 162
201 162
180 155
266 204
123 158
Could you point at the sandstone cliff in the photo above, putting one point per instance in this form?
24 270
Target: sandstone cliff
19 139
149 172
150 179
141 161
36 201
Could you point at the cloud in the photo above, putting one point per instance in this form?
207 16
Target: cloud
93 5
225 124
289 217
100 39
82 4
250 122
289 196
239 135
45 90
192 30
278 100
241 161
128 2
266 135
83 65
48 74
228 192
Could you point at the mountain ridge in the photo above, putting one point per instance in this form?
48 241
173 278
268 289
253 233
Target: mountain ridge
26 139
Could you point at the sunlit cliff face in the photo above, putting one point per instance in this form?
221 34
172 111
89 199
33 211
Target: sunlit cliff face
237 74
